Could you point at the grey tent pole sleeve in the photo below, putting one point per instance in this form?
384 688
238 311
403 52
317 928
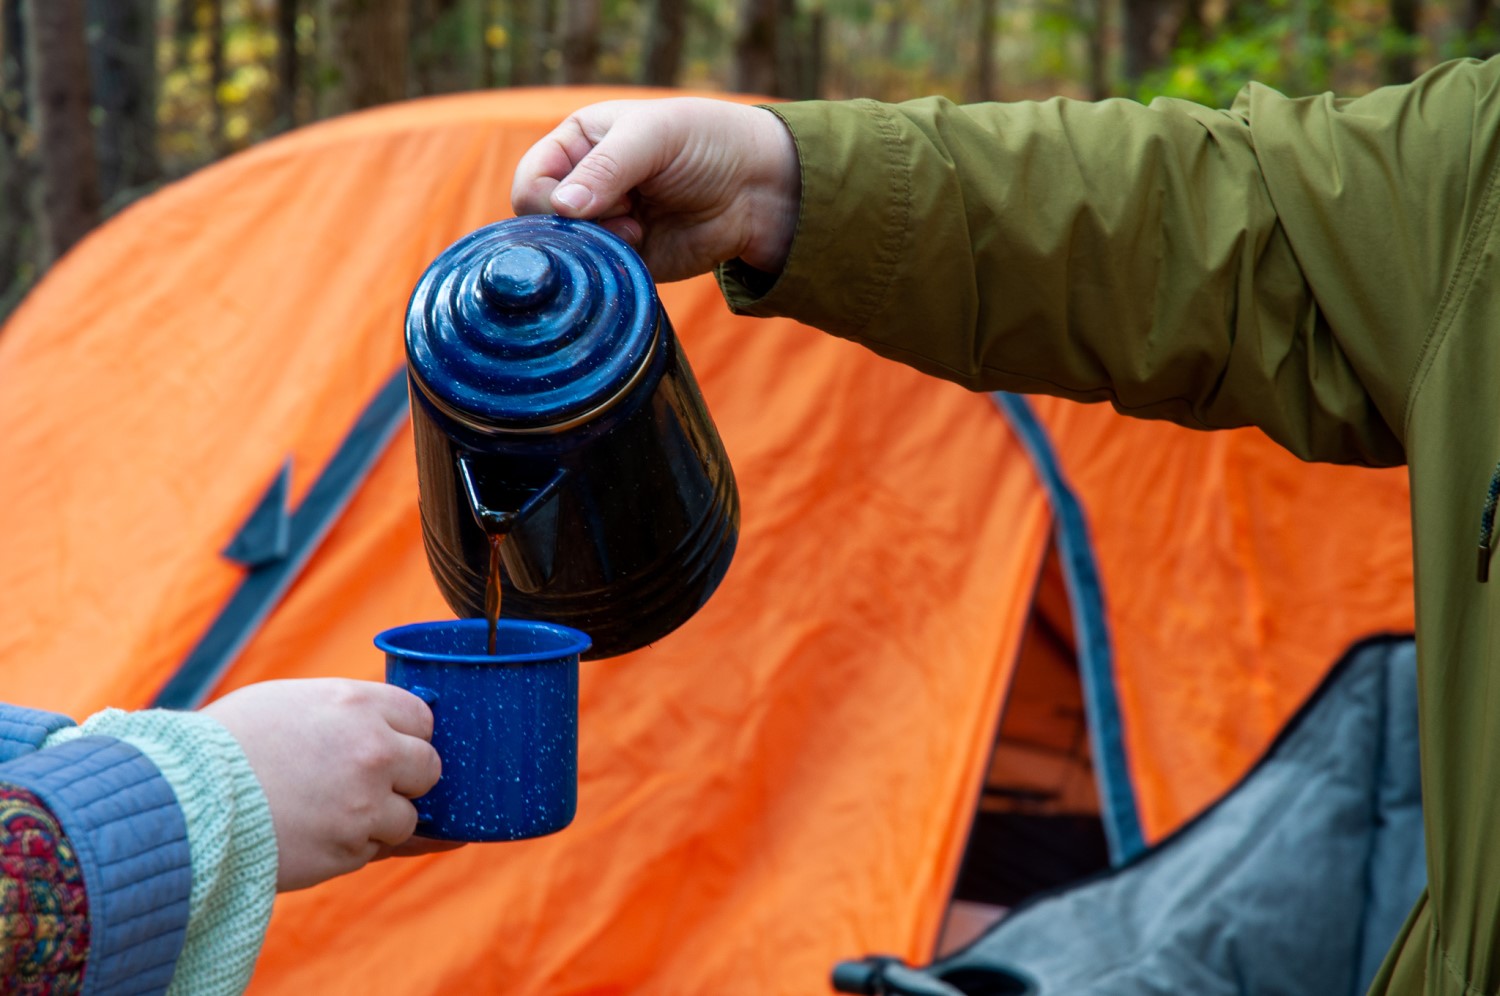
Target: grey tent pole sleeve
1122 820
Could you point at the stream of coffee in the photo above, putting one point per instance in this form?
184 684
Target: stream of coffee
492 591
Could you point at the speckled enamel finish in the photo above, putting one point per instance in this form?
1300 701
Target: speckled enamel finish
530 322
552 402
506 727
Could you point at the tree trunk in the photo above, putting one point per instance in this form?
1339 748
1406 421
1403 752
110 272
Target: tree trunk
214 19
1091 17
986 84
524 67
1151 28
420 21
523 35
812 73
1310 64
895 31
533 36
366 49
580 46
16 249
755 48
184 30
664 42
1194 28
797 42
489 17
123 71
1401 59
288 64
548 48
444 45
1479 15
57 64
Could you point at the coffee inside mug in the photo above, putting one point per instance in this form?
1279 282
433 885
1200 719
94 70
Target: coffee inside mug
462 641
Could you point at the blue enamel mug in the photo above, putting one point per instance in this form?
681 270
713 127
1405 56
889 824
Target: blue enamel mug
505 726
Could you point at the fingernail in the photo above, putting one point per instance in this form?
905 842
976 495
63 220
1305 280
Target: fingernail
574 197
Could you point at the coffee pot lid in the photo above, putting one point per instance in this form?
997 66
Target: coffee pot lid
531 323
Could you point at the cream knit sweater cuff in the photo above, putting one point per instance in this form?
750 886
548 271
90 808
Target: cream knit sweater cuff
230 838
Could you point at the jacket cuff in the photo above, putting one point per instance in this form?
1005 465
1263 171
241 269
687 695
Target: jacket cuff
831 281
131 840
231 838
23 730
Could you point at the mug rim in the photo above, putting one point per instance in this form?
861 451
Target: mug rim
572 641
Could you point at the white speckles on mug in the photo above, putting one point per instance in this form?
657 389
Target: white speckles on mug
506 727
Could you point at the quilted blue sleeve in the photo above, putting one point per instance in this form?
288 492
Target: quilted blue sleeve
128 831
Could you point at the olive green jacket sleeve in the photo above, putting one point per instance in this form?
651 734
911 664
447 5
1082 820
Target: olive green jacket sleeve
1279 264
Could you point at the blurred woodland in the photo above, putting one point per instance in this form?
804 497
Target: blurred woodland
101 101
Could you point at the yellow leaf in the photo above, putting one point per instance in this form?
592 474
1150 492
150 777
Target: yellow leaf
1184 78
232 92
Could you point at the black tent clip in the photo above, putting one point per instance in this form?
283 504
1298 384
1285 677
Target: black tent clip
1487 525
882 975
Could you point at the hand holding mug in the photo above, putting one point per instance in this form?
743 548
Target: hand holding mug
340 761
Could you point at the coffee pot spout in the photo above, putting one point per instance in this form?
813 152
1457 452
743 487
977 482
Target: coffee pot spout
516 503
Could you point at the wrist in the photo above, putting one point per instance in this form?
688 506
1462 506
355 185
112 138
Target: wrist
775 201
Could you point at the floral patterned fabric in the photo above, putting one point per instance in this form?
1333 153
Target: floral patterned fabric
44 910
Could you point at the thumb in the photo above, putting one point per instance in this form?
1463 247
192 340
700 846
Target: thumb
599 185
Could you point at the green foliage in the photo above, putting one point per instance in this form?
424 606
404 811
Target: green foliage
1307 47
1270 45
887 49
244 103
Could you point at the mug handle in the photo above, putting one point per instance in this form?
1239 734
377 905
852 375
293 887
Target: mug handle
424 814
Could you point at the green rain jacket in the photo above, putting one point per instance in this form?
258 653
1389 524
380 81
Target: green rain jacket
1325 269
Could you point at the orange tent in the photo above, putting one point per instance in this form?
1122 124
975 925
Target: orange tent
788 779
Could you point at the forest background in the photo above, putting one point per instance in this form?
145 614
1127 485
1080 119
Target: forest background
102 101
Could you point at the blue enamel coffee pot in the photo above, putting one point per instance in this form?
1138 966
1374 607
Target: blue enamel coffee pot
551 402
